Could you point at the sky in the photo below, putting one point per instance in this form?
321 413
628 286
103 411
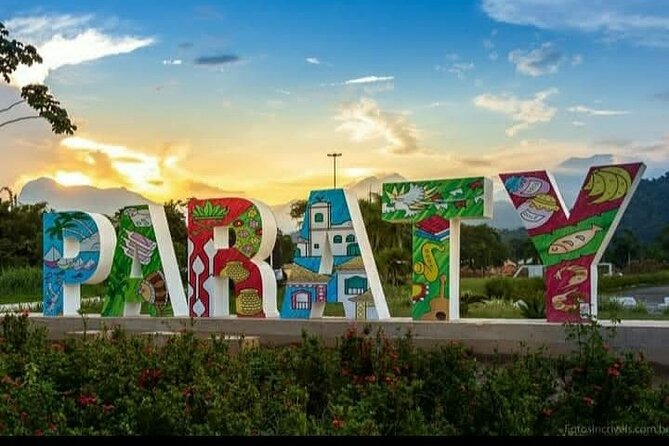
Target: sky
247 97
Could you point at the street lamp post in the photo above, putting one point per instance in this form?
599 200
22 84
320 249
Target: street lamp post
334 156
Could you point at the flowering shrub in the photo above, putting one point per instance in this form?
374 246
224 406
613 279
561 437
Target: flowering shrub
367 384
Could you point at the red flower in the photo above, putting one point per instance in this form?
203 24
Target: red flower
613 372
606 347
58 346
87 400
38 432
52 427
370 378
596 387
24 417
107 407
588 401
337 423
547 412
149 377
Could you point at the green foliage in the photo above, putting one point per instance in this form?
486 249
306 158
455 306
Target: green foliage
481 246
614 283
495 309
517 288
533 306
20 234
366 384
13 54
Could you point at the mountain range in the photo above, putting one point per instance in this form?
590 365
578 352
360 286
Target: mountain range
644 217
108 201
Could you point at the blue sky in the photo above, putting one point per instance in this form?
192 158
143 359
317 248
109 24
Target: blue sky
190 98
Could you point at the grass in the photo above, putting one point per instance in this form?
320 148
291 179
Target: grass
495 309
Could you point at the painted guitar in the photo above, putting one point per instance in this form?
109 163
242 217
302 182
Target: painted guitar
439 310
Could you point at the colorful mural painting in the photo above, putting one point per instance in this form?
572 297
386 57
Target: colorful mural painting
228 239
333 262
571 243
143 270
435 208
77 248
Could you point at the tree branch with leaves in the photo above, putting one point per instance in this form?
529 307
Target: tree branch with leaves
13 54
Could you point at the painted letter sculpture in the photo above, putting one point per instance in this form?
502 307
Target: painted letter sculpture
435 208
334 262
78 248
145 268
571 244
214 259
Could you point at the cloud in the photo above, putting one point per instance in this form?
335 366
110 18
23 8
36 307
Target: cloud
578 123
525 113
595 112
640 23
369 80
459 69
576 59
66 40
283 92
157 175
493 55
543 60
365 121
172 62
313 61
452 57
220 59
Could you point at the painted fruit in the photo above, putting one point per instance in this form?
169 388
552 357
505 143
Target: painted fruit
533 216
526 186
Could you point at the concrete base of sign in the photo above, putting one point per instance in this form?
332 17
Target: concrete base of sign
483 336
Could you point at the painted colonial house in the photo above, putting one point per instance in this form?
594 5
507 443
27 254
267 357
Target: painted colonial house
327 266
352 284
305 290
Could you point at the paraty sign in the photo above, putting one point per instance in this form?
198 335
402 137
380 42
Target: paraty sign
229 237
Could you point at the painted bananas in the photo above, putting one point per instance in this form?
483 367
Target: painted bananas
608 184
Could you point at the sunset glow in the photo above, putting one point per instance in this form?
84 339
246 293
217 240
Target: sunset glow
233 102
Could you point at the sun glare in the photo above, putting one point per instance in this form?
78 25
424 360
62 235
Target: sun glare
72 178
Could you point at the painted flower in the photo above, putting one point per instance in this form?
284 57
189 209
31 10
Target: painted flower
259 232
254 223
238 223
243 233
247 249
252 213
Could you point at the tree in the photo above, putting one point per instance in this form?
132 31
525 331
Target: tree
176 221
623 248
481 247
13 54
20 234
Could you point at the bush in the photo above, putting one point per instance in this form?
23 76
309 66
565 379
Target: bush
533 306
366 384
512 288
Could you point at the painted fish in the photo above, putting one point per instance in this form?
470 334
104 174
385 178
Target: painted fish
573 241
